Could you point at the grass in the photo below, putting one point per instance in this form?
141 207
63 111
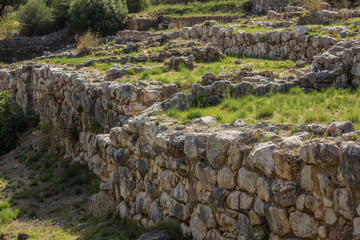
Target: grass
38 229
294 107
185 77
7 213
211 8
131 229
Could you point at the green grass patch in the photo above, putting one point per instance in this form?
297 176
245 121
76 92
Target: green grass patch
294 107
211 8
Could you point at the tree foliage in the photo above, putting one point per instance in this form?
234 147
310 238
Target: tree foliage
35 17
6 3
136 6
102 16
60 10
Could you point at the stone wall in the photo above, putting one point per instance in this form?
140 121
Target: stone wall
65 96
263 6
338 66
20 48
140 24
294 45
224 184
191 21
327 16
144 24
217 182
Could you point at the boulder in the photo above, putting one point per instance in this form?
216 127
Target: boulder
278 220
350 164
303 225
156 235
261 158
338 128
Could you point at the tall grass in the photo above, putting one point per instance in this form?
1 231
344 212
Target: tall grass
293 107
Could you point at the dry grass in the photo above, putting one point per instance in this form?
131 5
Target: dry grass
86 43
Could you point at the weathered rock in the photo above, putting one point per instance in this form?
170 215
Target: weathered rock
291 142
97 206
343 203
197 227
284 192
195 146
156 235
206 175
330 216
167 180
216 198
264 189
207 216
247 180
261 157
244 227
233 199
287 164
339 128
245 201
300 30
225 178
277 218
142 203
350 164
218 146
321 153
306 178
227 223
303 225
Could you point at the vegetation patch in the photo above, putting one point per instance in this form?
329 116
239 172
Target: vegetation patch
12 122
210 8
293 107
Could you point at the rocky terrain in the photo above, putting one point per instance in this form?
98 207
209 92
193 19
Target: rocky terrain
239 180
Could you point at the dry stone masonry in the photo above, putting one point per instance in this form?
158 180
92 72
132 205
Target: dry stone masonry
218 182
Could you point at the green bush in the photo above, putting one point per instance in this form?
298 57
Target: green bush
103 16
60 10
136 6
35 18
12 122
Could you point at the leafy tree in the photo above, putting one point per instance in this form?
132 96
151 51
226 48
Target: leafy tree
12 122
135 6
102 16
35 17
60 10
6 3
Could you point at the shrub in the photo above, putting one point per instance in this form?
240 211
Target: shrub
7 27
60 10
103 16
86 42
35 17
136 6
12 122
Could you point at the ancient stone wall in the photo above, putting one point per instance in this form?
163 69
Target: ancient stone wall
191 21
217 182
65 97
140 24
20 48
295 44
224 184
263 6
